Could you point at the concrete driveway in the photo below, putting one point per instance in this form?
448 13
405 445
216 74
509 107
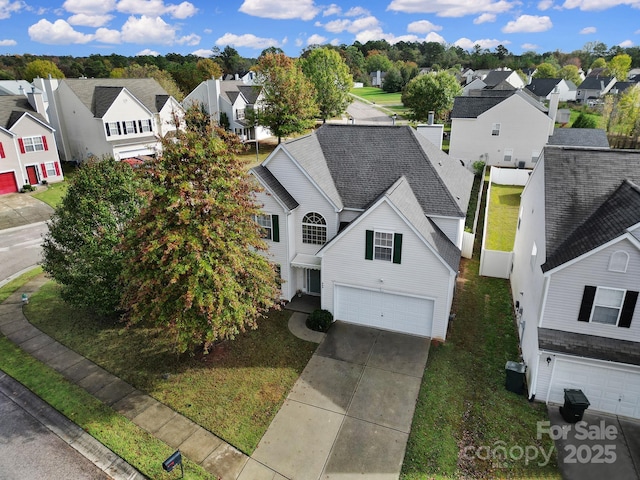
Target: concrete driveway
350 412
17 209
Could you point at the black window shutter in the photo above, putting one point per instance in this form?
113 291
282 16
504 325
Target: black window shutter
135 127
587 302
106 126
275 228
397 247
368 249
628 307
120 131
140 126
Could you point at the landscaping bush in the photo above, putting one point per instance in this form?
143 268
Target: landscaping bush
478 167
320 320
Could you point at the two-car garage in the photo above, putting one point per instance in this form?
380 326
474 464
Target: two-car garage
384 310
8 183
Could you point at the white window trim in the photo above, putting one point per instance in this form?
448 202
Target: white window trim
50 167
126 127
31 144
314 225
267 229
613 267
375 245
508 152
593 307
113 128
146 126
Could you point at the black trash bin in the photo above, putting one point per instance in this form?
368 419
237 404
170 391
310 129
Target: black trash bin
575 403
515 377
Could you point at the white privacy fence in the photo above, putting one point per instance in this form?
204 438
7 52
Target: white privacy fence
495 263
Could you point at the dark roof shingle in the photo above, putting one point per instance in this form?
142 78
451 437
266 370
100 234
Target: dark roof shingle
579 137
590 346
275 186
13 107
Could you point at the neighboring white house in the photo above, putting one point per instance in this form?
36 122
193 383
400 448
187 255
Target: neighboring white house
505 128
370 218
542 88
576 276
28 153
503 79
119 117
592 88
475 84
233 99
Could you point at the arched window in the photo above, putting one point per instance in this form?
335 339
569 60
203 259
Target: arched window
314 229
619 261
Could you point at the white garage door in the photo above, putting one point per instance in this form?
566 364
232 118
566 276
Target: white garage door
384 310
608 390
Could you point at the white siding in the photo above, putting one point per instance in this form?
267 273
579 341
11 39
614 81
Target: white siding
349 215
523 129
451 227
567 286
420 272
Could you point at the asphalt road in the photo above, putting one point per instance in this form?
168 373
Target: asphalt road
20 248
365 114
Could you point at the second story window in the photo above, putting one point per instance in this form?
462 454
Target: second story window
145 125
129 127
33 144
314 229
495 129
113 128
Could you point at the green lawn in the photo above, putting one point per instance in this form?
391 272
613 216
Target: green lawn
503 217
463 404
264 150
378 96
597 117
137 447
234 392
52 194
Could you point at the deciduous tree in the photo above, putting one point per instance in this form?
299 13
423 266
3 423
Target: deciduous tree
42 69
288 104
330 76
434 91
546 70
80 251
571 73
619 66
194 266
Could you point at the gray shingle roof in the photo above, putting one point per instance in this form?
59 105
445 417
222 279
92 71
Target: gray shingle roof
590 346
13 107
482 100
542 87
594 83
94 94
618 212
578 182
250 92
364 160
496 76
579 137
275 186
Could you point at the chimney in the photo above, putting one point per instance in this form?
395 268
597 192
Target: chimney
553 108
430 118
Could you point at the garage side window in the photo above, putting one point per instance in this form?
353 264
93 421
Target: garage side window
314 229
385 246
608 306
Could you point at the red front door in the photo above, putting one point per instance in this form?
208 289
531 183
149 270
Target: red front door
32 175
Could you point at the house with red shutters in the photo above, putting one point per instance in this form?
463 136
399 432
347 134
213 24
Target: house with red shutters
28 151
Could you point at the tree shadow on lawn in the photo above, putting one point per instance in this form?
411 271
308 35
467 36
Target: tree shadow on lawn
511 199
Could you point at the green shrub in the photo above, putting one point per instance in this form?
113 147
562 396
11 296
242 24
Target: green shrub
320 320
478 167
584 121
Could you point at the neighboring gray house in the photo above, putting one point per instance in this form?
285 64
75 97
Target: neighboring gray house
592 88
576 276
503 79
542 88
369 218
579 137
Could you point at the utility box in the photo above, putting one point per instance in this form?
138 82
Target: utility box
575 403
514 381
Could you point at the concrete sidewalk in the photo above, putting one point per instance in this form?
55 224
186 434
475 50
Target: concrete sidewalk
196 443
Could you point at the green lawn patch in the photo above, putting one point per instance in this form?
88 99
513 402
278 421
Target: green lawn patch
52 194
137 447
463 404
264 150
597 117
7 289
234 392
503 217
377 95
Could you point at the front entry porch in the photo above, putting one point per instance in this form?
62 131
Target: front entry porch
304 303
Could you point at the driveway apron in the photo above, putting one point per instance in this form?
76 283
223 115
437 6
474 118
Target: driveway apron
350 412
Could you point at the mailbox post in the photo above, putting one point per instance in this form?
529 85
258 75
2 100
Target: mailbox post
170 463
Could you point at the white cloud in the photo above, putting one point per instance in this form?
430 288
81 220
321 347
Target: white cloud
156 8
85 20
208 30
351 26
299 42
637 32
626 44
529 46
528 24
89 7
280 9
148 30
452 8
545 5
595 5
147 51
588 30
247 40
106 35
332 9
7 8
423 26
377 34
468 44
190 40
316 39
484 18
335 42
57 33
202 52
335 26
356 12
8 43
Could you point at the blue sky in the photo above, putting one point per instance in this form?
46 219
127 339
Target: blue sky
131 27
